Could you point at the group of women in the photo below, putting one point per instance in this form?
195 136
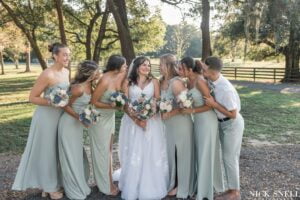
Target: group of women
174 153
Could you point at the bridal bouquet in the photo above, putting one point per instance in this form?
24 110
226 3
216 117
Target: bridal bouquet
165 105
89 115
58 97
119 98
185 100
143 108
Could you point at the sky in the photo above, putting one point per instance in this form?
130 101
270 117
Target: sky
172 15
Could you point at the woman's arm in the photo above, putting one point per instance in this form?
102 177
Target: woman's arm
76 92
38 88
98 92
210 101
203 88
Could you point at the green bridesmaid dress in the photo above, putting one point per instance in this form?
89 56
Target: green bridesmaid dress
206 140
180 142
39 166
100 136
73 159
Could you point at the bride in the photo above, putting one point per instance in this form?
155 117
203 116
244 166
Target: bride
142 143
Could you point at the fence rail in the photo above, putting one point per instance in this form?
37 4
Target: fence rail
255 73
251 73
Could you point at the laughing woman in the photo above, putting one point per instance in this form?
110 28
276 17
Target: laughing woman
101 133
179 132
73 159
39 163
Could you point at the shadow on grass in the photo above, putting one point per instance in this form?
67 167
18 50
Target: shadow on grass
13 135
12 85
269 115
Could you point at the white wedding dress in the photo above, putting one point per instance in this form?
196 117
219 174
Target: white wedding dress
143 155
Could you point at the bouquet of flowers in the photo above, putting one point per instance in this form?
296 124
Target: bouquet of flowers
89 115
143 108
185 100
165 105
119 98
58 97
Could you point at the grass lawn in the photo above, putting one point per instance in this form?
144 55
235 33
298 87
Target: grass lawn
269 116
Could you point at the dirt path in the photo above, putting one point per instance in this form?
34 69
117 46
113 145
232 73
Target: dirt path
265 170
280 87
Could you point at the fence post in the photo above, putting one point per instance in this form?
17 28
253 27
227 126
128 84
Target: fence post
274 74
254 74
235 70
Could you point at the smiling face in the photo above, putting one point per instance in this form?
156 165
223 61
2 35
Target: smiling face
63 56
144 69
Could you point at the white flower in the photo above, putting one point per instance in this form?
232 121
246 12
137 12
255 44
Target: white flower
112 98
145 113
119 98
169 108
187 103
87 111
148 106
122 102
63 92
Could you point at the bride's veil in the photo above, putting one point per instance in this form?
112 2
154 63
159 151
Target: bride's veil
130 68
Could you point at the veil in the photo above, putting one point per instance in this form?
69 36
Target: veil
130 68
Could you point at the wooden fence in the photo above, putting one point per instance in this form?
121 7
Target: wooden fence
250 73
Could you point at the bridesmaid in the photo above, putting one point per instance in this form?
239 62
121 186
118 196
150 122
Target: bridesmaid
205 128
101 133
73 159
39 164
179 132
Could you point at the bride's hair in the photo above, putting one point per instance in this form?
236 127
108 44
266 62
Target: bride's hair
133 73
170 61
85 70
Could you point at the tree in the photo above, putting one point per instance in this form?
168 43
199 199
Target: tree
179 37
30 17
119 11
199 8
16 43
276 24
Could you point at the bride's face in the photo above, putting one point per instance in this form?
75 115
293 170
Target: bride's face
145 68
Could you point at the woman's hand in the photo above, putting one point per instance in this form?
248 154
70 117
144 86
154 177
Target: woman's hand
210 101
166 115
141 123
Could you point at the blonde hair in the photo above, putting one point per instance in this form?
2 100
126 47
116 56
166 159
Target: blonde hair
170 61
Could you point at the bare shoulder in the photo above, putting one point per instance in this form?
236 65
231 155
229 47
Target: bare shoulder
77 90
155 81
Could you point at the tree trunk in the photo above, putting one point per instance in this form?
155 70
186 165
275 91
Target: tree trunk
58 5
292 55
100 38
30 34
118 9
60 16
16 60
2 62
206 44
28 58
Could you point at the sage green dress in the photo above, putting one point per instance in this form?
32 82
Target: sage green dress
207 144
180 148
100 135
39 166
72 156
